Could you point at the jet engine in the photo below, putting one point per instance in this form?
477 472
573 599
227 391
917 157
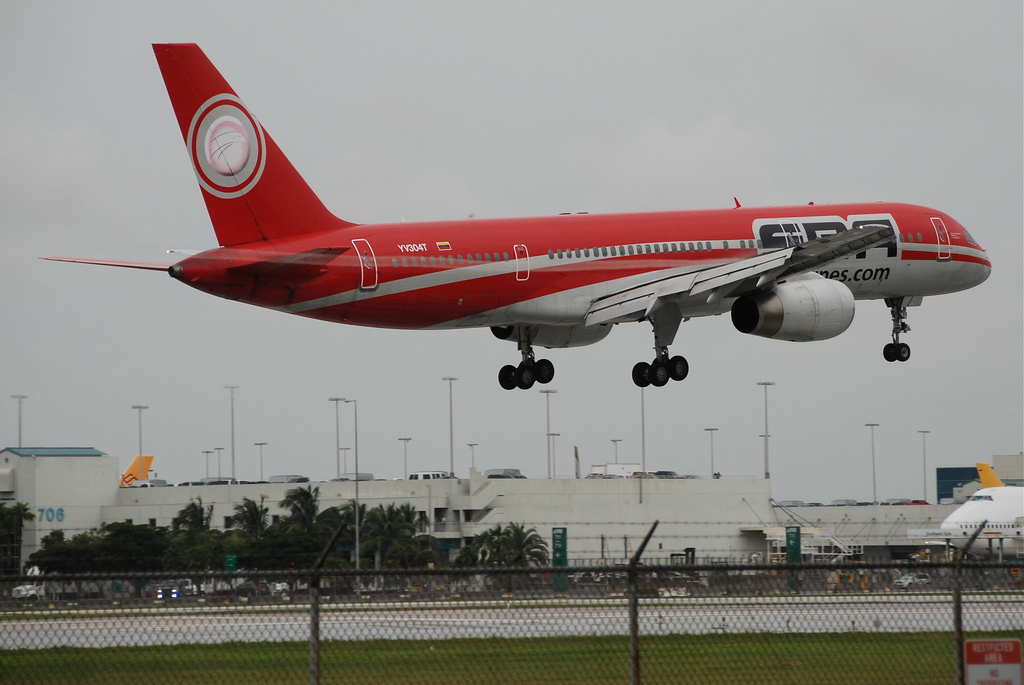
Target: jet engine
557 336
807 308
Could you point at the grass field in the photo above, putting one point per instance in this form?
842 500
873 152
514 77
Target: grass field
784 659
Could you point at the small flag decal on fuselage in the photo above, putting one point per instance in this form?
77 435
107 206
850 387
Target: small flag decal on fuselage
444 247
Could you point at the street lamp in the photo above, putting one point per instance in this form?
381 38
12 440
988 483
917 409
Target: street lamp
355 440
766 435
924 464
472 454
451 427
337 436
874 490
616 441
20 398
207 453
547 399
260 445
711 434
140 407
405 457
232 388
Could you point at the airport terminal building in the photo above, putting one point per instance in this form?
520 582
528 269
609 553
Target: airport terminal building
700 519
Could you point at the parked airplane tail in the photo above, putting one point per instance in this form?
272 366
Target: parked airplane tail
139 470
252 191
988 477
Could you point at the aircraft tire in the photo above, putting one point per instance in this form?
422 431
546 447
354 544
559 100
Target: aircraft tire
524 376
659 374
544 370
889 352
678 368
642 374
902 352
507 377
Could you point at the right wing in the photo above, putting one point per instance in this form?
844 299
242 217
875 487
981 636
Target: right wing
735 278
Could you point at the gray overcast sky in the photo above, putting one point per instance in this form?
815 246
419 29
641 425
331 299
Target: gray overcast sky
422 111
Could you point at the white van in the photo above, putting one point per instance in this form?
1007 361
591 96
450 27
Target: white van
428 475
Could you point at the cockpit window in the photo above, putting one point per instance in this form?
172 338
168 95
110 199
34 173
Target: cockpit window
981 498
970 238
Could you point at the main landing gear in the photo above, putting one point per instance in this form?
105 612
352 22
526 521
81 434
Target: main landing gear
661 370
529 371
897 351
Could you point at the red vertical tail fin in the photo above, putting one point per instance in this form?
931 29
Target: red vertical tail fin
251 189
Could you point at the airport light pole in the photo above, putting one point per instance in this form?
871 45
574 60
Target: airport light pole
355 420
405 457
711 433
547 399
924 465
232 389
616 441
219 450
472 454
337 436
140 407
874 488
551 437
207 453
766 384
20 399
451 427
344 458
260 445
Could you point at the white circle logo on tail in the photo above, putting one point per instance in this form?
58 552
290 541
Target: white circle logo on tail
227 147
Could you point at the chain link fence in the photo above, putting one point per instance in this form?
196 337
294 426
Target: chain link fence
807 623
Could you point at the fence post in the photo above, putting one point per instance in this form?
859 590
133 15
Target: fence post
634 609
958 608
314 629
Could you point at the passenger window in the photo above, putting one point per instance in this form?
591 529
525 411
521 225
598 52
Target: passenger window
479 259
725 244
460 260
919 238
604 251
405 262
691 247
551 254
657 248
504 256
630 249
433 262
561 254
394 262
496 258
423 261
586 252
707 246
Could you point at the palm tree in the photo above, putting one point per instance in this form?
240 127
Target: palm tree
194 518
251 517
12 522
523 547
390 532
303 505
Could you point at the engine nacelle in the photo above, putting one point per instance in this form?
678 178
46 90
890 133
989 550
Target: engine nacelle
801 310
556 336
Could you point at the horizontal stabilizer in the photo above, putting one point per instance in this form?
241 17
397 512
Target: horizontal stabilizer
149 266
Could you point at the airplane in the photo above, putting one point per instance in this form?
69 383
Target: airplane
137 471
787 273
998 509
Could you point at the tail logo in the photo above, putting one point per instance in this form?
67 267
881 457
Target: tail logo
227 147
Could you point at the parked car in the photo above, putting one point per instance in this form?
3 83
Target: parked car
28 591
908 580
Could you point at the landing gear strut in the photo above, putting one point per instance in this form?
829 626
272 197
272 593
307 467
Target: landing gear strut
529 371
896 350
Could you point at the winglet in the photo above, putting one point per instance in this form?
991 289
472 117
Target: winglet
988 477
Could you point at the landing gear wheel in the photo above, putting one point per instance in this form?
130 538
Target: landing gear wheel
507 377
902 352
659 374
543 370
524 376
642 374
678 368
889 352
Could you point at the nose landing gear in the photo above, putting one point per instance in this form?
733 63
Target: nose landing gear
896 350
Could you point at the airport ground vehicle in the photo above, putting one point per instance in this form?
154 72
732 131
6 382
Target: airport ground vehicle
909 580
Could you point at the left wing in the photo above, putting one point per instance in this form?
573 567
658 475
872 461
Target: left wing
735 278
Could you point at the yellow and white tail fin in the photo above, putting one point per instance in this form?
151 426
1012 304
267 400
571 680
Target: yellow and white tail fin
139 470
988 477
